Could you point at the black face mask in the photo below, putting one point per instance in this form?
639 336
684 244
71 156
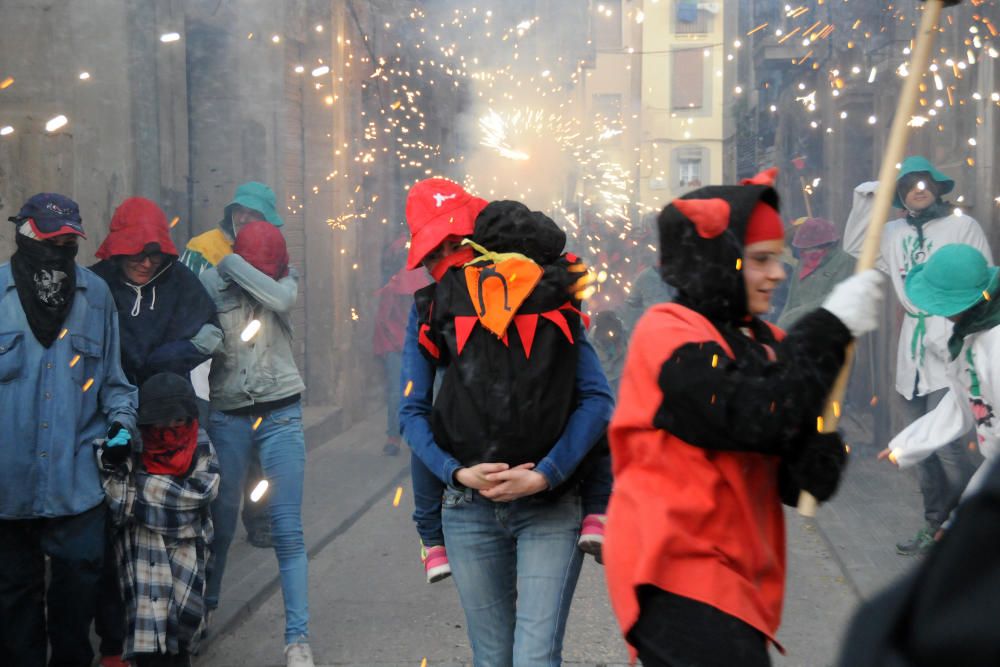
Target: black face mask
45 277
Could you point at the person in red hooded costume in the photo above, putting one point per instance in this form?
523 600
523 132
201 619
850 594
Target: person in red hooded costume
167 323
715 427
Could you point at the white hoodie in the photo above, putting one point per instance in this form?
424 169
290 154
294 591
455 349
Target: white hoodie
974 391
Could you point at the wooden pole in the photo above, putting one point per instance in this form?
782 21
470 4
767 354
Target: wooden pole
898 135
805 195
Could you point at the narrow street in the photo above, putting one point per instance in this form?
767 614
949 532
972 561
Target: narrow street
370 606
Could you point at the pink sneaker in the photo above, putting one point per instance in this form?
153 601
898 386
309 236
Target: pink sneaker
435 561
114 661
592 536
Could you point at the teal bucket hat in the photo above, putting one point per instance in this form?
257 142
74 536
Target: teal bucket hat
954 279
918 163
259 197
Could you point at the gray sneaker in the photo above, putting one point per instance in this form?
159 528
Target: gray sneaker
298 655
921 543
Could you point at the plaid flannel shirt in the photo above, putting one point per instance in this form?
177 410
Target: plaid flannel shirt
163 529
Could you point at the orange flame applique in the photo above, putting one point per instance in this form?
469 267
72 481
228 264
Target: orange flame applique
498 290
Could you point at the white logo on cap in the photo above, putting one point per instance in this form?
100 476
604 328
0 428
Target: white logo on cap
440 198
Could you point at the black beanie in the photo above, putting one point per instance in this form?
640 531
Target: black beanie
166 397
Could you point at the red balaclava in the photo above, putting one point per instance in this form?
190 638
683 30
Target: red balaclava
169 450
263 246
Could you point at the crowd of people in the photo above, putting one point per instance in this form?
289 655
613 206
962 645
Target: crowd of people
148 393
122 477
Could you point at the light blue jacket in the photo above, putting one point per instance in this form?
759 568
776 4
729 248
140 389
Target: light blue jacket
262 369
50 411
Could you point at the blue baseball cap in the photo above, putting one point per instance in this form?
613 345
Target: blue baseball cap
49 214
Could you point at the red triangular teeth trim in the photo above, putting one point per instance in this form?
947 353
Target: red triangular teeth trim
526 326
583 316
464 324
428 344
559 320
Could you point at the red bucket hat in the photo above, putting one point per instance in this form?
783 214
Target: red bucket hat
437 208
136 224
815 232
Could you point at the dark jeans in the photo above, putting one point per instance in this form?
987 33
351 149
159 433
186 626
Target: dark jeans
427 493
675 631
110 621
944 474
595 488
75 547
181 659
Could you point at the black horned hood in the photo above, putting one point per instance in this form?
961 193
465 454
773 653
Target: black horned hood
701 245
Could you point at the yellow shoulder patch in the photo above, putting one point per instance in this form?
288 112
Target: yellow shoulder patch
213 245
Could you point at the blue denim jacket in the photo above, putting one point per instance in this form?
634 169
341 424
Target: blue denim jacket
585 426
50 417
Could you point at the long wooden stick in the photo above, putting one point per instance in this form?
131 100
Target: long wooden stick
898 136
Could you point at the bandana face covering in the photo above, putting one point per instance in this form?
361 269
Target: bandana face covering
811 259
461 256
169 451
45 277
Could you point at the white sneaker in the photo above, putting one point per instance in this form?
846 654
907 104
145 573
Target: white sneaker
298 655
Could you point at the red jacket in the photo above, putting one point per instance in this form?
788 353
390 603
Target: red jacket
701 523
395 300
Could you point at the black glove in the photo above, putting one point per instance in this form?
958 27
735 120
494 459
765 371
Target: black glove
814 466
117 446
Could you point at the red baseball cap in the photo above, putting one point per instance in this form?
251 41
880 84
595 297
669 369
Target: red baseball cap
437 208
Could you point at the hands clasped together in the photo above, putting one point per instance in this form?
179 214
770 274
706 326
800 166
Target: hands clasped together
501 483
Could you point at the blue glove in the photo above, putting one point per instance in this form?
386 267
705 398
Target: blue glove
123 437
115 448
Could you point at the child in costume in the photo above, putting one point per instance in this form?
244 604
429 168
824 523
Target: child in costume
716 426
159 502
957 283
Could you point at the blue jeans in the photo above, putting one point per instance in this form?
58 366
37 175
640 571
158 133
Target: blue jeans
281 444
595 489
516 566
427 493
393 362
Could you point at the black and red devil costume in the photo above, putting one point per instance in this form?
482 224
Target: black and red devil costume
512 319
715 426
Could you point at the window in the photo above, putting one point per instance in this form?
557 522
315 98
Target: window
688 80
692 17
690 167
608 25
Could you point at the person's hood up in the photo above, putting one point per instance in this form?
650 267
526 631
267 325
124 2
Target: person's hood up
918 163
137 226
263 246
255 196
510 226
702 238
